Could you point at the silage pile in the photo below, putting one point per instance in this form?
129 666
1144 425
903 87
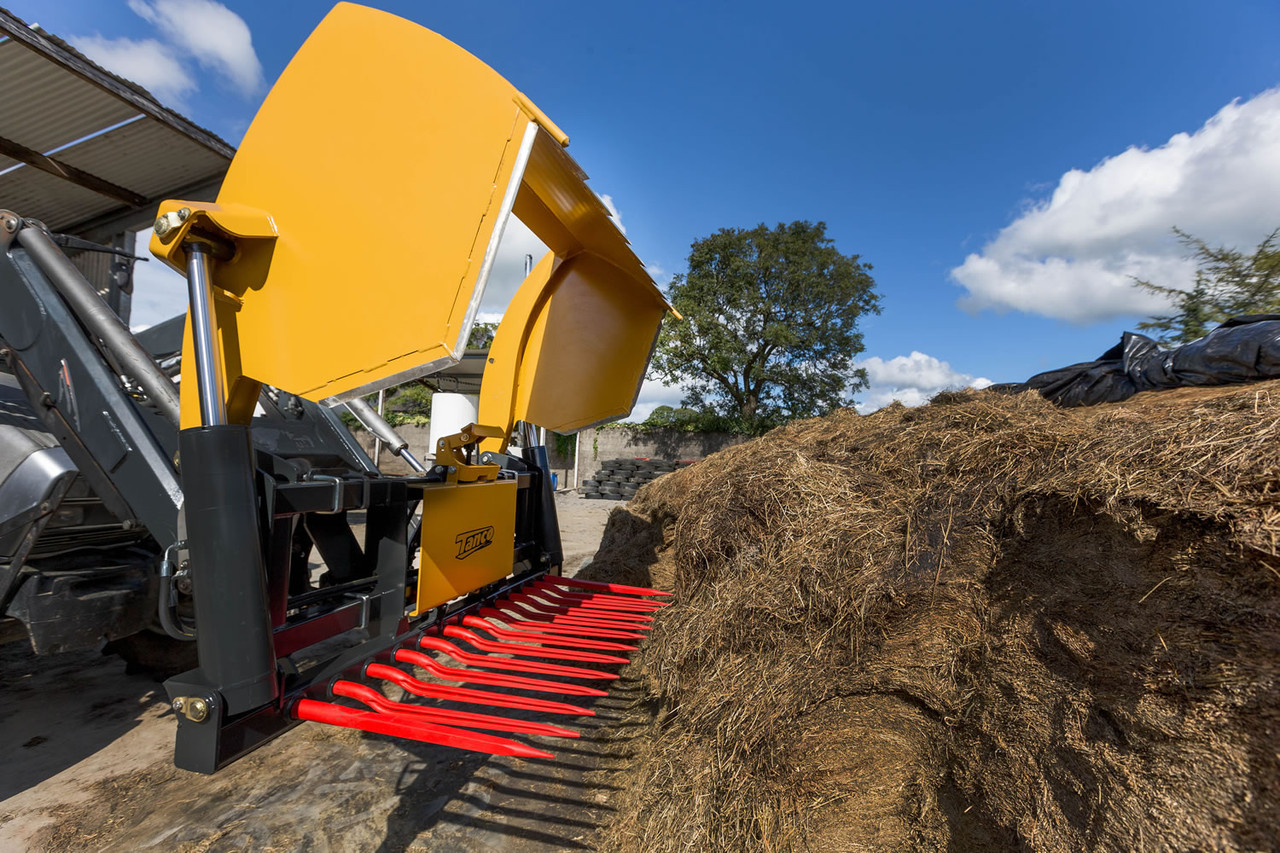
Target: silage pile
982 624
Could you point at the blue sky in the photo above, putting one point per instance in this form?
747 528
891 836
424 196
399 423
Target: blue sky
1004 166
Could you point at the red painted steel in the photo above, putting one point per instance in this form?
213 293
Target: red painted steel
475 676
571 616
599 586
469 696
491 647
577 608
590 600
545 625
529 636
639 605
442 645
398 725
444 716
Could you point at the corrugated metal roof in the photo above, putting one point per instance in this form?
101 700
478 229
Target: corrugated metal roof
120 142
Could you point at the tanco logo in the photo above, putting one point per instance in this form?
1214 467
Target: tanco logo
471 541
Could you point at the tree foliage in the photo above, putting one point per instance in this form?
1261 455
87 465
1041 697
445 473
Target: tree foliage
685 420
770 326
1228 282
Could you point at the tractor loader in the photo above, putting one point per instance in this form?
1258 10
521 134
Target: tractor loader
348 251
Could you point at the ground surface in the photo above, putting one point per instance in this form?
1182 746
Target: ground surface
87 767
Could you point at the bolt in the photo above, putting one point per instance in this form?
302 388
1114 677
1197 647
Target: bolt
162 226
198 710
183 585
44 506
466 437
179 704
184 214
10 223
128 524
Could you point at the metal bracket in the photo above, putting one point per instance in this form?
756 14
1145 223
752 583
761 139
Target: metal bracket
455 463
338 485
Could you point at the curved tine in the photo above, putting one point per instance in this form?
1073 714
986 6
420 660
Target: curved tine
529 636
469 696
545 625
525 651
468 719
442 645
398 726
597 599
600 586
476 676
565 616
584 609
563 599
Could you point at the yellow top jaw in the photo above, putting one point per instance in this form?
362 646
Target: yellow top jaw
364 208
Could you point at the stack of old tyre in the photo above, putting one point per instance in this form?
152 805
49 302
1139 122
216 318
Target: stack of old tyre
618 479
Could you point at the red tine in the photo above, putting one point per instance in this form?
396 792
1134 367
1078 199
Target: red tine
383 705
440 644
528 636
525 651
469 696
597 586
569 616
585 608
604 602
475 676
398 725
544 624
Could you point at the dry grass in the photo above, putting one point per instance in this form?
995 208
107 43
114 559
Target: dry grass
987 624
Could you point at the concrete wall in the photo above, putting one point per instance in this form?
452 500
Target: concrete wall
596 445
626 443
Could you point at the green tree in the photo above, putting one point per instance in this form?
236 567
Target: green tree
481 336
770 326
1228 282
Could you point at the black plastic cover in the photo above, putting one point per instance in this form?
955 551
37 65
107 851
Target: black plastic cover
1243 349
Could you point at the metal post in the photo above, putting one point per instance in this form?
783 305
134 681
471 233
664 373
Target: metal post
577 446
213 400
377 440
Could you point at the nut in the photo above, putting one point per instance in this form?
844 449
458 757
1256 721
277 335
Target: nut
197 710
179 704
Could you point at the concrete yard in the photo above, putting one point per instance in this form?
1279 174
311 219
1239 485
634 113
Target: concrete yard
88 767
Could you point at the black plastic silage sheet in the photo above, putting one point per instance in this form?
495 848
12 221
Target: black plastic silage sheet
1243 349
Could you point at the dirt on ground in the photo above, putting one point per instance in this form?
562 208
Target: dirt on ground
983 624
87 766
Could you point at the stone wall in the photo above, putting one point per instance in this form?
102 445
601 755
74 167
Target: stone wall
627 443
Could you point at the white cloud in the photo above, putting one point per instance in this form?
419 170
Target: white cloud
1072 255
652 395
910 379
208 32
146 62
607 201
216 37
